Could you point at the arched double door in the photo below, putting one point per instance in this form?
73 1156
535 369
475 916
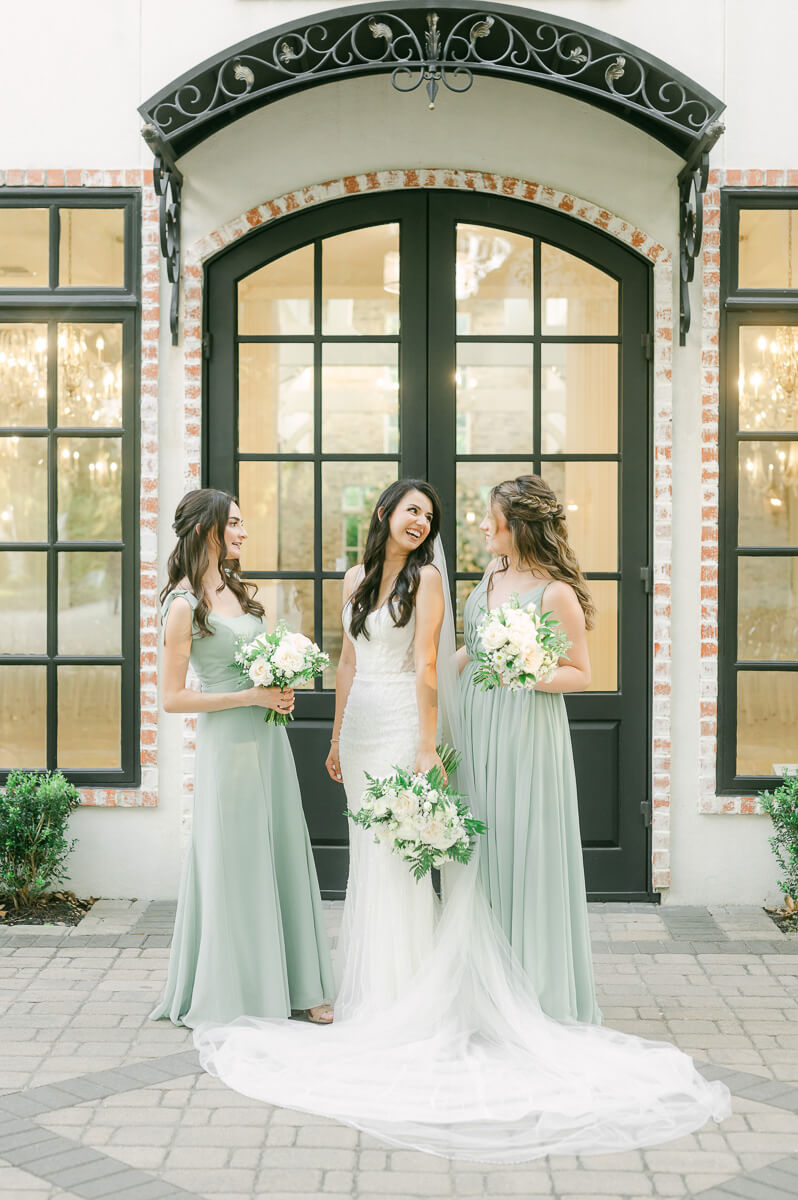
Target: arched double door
465 339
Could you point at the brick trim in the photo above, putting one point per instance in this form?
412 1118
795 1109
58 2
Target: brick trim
146 795
547 197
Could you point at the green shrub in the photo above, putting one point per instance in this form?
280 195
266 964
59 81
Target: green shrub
34 810
781 806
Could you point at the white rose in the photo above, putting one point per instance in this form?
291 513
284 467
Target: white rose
435 833
288 660
405 805
494 636
532 657
260 672
381 806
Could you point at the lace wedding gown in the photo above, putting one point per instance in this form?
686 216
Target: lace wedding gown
439 1042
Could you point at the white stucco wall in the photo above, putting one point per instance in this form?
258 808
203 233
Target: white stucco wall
120 53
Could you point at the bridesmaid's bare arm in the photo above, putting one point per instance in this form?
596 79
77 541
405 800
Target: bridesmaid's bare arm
343 681
573 673
429 619
177 698
461 657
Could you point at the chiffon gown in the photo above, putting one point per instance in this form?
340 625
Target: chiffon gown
439 1042
250 935
530 868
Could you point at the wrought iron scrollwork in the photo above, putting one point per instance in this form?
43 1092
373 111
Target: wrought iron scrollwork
168 184
692 186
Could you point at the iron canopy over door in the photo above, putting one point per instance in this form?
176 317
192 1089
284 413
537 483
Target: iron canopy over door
464 339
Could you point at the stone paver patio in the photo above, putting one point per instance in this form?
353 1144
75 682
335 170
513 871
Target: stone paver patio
96 1101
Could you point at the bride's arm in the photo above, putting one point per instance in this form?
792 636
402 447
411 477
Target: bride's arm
573 674
429 619
343 682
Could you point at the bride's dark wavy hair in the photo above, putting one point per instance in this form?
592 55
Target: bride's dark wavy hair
403 597
209 509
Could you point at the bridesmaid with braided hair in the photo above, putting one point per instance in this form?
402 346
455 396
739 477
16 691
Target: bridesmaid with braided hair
519 747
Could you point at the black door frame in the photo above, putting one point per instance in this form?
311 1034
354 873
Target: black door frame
422 427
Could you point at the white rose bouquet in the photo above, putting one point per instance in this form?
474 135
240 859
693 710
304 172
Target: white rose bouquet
279 659
422 819
519 647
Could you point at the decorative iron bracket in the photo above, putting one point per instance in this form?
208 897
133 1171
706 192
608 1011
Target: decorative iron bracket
692 186
168 183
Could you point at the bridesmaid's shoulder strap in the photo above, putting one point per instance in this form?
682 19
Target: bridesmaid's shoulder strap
167 604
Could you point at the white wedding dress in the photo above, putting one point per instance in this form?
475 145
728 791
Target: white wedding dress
439 1043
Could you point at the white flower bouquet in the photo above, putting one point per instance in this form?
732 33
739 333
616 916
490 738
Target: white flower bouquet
279 659
421 818
520 647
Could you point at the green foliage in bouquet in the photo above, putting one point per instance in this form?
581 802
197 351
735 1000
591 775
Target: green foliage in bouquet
781 805
34 810
425 819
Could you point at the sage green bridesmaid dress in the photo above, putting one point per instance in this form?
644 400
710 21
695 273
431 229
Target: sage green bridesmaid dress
530 864
250 937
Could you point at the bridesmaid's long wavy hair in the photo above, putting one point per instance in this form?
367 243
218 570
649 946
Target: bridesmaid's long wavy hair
403 597
209 510
540 534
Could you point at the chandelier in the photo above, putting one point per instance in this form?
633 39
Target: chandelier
23 373
768 398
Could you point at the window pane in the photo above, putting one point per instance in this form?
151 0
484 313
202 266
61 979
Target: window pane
589 494
277 505
767 608
349 494
89 698
23 602
23 717
275 398
92 247
768 248
90 375
494 398
768 377
24 248
279 297
332 630
89 489
577 297
767 721
360 398
602 641
23 374
579 398
360 281
89 603
493 281
23 489
768 514
474 482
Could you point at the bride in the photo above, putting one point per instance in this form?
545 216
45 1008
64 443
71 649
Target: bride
439 1041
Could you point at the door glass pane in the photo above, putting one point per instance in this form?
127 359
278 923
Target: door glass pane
92 249
349 494
768 494
89 603
275 397
23 373
577 298
332 630
289 600
360 281
579 398
493 281
494 397
278 298
24 247
474 483
23 717
767 608
23 489
768 380
360 398
90 375
602 641
89 698
589 493
767 721
277 506
768 248
89 489
23 602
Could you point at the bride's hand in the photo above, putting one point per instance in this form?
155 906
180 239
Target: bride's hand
426 760
333 763
280 699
